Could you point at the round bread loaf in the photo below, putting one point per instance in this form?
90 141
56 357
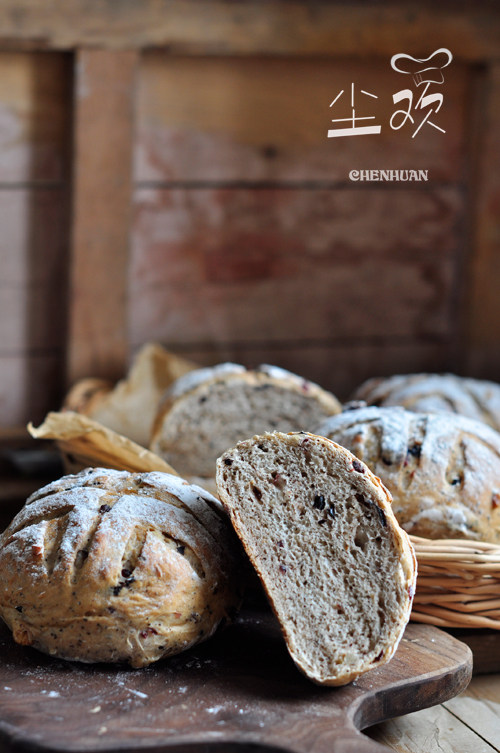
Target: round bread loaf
319 529
209 410
111 566
436 393
443 471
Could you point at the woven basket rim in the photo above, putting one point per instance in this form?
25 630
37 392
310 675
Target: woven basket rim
458 583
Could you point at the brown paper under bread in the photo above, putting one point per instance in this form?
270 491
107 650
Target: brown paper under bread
84 443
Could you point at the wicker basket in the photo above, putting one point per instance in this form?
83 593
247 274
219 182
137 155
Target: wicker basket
458 583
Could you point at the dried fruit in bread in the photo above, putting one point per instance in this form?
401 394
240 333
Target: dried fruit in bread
111 566
318 527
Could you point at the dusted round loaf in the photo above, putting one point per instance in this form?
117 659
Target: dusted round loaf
113 566
436 393
443 470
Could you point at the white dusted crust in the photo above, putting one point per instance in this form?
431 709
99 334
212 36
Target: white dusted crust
192 379
318 527
118 567
436 393
209 410
443 470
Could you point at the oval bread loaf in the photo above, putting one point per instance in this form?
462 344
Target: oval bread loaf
319 529
110 566
209 410
436 393
443 471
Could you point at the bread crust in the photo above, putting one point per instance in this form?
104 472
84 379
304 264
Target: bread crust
366 484
87 394
435 393
443 470
110 566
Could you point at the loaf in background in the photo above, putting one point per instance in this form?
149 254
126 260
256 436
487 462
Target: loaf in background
443 470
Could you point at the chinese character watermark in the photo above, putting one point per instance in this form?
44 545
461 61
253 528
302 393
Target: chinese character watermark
354 130
427 72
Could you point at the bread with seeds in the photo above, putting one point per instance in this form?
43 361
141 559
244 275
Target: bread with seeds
443 470
436 393
318 527
209 410
111 566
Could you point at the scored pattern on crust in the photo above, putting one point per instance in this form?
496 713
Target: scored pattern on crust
443 471
435 393
131 567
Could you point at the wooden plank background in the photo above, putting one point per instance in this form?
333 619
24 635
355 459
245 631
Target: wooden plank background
189 194
102 164
275 27
34 181
249 242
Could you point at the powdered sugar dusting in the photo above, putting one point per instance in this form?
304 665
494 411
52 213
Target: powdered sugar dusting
446 461
436 393
145 558
193 379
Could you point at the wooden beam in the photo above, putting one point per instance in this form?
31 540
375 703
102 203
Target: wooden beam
102 182
483 310
223 27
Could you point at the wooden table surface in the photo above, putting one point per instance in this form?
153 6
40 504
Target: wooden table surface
469 723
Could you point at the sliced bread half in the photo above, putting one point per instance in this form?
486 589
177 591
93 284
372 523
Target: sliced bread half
318 527
208 410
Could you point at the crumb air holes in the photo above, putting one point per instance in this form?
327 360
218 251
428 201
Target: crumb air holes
257 492
361 538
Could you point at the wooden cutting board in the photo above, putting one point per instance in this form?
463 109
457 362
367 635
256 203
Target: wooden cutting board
237 691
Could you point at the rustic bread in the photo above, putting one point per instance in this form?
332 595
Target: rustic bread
443 471
87 394
129 408
436 393
118 567
318 528
211 409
